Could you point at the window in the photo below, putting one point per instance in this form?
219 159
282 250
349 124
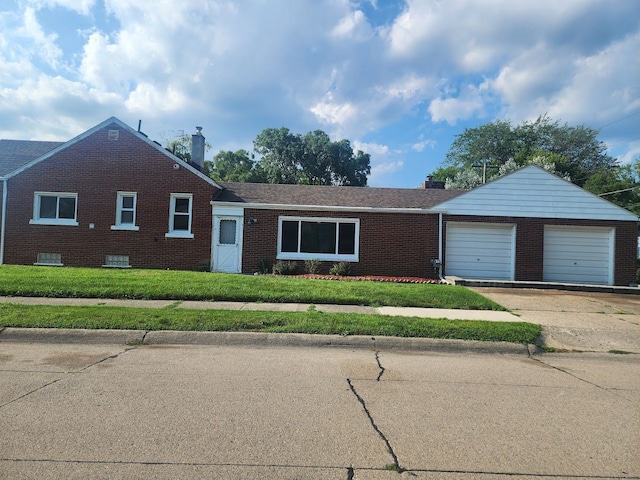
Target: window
180 216
117 261
54 208
301 238
227 232
126 211
51 259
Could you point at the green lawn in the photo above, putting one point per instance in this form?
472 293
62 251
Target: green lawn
13 315
185 285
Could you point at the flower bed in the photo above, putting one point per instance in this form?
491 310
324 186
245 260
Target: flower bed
372 278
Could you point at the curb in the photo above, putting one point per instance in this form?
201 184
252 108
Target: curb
170 337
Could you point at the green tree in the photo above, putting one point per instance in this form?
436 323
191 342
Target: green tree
231 166
180 146
619 185
311 159
575 151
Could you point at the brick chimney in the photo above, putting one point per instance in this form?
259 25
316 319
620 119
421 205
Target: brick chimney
197 149
430 183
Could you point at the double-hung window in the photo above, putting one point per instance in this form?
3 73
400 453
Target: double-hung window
55 208
180 215
302 238
126 211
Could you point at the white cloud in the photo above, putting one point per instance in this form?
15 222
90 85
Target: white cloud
353 26
469 103
421 145
82 7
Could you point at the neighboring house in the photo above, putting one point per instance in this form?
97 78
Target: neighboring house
111 197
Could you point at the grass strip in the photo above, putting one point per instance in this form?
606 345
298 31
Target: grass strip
185 285
102 317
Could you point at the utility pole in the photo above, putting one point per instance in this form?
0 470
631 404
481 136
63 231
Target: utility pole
484 166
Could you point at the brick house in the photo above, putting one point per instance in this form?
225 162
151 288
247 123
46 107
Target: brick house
109 197
112 197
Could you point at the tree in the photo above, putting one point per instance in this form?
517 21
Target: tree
619 185
230 166
180 146
574 151
311 159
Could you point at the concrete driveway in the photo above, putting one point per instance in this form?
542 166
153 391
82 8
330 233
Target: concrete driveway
585 321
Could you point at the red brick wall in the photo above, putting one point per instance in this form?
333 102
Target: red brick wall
96 168
530 244
390 243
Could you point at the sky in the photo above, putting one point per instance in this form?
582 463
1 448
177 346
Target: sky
398 78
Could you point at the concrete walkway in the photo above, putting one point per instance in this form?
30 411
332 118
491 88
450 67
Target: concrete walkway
452 314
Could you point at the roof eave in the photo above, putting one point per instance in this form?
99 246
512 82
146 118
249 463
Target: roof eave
325 208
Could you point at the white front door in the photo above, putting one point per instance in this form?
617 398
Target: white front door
227 244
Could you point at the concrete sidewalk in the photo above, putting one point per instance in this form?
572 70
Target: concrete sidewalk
452 314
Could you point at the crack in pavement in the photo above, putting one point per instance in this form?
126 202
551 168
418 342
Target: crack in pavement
65 375
396 463
580 378
382 369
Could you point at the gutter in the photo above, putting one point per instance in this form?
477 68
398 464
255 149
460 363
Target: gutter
326 208
4 219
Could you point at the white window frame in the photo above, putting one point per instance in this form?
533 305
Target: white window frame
172 212
320 256
120 208
37 198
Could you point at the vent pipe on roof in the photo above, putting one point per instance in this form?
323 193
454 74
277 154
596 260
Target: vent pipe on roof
197 149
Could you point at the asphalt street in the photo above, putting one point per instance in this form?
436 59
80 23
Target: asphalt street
111 411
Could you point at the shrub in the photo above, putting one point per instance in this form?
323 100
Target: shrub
343 269
284 268
263 266
312 266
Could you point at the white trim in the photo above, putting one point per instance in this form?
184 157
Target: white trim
120 208
320 256
322 208
172 212
171 157
36 220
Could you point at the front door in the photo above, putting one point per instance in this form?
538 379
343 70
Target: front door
227 244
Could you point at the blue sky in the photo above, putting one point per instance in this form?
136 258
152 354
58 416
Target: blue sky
398 78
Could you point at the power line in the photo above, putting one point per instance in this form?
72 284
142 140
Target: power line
619 120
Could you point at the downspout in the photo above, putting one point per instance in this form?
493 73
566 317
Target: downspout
441 261
4 219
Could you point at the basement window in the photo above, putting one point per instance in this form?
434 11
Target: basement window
117 261
49 259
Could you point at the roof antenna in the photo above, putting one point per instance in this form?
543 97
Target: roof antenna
139 125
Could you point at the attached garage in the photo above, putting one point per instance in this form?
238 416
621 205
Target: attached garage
532 226
480 250
575 254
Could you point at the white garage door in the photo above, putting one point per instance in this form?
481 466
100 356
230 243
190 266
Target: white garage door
578 255
480 250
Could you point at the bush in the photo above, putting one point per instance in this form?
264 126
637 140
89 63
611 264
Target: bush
263 266
343 269
284 268
312 266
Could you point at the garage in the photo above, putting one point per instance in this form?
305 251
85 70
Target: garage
575 254
480 250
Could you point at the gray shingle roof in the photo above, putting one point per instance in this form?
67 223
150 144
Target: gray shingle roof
314 195
17 153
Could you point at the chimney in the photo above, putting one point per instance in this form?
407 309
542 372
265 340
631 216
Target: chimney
197 149
430 183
